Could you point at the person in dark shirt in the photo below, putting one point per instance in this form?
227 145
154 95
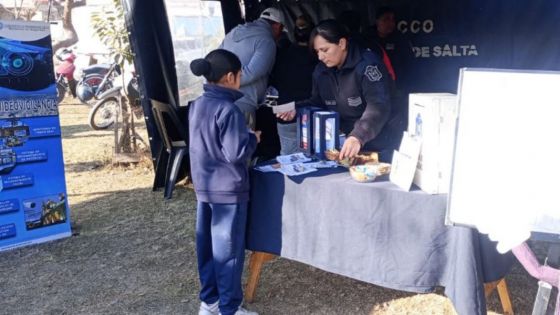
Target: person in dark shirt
353 82
387 39
352 21
220 146
291 76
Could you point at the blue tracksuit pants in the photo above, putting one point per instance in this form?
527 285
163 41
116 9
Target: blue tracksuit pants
220 247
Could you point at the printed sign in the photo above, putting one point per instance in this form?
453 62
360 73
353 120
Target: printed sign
33 205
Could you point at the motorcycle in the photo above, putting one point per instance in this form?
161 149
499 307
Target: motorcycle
104 113
97 79
91 78
65 74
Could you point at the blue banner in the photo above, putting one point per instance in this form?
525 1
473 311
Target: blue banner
33 200
9 205
7 231
448 35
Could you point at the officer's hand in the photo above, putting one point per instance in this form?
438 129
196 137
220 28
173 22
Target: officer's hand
350 148
287 116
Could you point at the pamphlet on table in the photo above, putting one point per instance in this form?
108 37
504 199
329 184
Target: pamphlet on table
295 164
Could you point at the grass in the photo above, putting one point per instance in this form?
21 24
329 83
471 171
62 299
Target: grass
133 253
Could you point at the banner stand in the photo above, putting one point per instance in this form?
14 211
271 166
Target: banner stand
33 198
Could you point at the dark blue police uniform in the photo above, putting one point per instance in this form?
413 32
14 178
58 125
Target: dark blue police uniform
360 91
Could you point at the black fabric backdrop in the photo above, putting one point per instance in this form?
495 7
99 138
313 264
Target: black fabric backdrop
154 61
447 35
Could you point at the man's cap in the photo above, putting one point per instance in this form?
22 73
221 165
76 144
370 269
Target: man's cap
274 15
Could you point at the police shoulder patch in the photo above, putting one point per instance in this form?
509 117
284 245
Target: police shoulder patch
373 74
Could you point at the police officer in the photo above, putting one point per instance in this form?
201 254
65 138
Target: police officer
353 82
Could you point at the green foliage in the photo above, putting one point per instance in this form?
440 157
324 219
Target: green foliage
109 26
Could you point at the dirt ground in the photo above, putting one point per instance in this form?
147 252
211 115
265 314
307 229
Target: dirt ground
133 253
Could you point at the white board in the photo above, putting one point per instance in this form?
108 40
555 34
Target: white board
506 164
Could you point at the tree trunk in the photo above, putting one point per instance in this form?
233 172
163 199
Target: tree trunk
70 35
126 131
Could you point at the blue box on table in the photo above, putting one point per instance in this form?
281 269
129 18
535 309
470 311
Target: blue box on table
305 129
325 132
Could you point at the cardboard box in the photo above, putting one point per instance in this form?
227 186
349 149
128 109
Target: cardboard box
433 118
325 132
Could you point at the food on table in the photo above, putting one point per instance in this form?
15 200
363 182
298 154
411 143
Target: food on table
361 158
364 173
368 172
383 169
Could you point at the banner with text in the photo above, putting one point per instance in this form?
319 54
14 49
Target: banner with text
33 200
448 35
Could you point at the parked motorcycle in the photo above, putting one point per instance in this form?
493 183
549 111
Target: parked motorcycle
104 113
97 79
92 76
65 74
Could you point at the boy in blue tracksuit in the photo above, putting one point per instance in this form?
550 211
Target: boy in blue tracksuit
220 146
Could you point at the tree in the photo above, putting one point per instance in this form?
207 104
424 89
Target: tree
25 13
109 26
6 14
70 35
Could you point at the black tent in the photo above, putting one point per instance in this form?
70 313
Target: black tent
446 35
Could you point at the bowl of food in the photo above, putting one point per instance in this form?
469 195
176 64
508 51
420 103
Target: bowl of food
364 173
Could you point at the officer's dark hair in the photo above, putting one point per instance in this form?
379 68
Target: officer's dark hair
330 30
382 11
215 65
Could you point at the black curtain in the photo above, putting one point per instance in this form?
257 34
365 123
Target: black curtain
231 13
151 43
150 40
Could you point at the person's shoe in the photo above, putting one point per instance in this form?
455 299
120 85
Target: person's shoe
206 309
242 311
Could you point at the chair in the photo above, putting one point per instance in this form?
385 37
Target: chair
175 146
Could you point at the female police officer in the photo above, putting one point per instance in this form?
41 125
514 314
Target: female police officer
353 82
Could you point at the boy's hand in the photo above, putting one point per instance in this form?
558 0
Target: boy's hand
287 116
258 135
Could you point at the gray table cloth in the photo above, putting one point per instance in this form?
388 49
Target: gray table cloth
373 232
